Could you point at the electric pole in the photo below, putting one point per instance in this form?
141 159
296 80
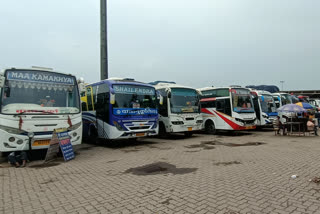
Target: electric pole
103 41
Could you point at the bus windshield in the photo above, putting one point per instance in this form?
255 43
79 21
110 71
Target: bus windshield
38 92
128 97
285 99
184 100
242 100
267 103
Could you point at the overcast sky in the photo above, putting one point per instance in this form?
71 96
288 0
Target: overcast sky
195 43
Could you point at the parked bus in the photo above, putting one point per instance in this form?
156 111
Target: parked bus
119 108
267 111
180 109
33 103
227 108
281 99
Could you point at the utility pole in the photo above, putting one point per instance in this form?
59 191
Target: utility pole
281 84
103 41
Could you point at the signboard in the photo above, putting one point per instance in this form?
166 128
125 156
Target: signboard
53 147
39 77
65 145
132 89
60 138
131 111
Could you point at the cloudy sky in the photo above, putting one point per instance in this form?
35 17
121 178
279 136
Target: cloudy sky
195 43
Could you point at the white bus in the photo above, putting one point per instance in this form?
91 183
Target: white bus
281 99
264 106
180 110
227 108
34 102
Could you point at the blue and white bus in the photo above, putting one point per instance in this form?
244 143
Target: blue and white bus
119 108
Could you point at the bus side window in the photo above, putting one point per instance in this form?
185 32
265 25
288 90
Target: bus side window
89 98
227 107
84 106
221 105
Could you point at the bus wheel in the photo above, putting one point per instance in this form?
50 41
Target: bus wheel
210 128
188 134
162 131
93 135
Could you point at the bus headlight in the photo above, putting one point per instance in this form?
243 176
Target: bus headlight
11 130
177 122
20 142
74 127
11 139
118 126
199 121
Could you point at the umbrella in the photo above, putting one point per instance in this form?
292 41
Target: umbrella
291 108
305 105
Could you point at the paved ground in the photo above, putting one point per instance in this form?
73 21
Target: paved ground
203 174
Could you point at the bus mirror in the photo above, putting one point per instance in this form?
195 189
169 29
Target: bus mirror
161 100
2 80
169 95
7 91
112 99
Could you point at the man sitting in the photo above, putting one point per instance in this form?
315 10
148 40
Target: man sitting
278 124
18 159
311 126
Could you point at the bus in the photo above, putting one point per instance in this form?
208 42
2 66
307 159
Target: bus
265 107
34 102
119 108
281 99
179 109
227 108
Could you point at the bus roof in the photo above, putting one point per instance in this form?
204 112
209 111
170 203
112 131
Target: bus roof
171 85
227 87
35 69
113 81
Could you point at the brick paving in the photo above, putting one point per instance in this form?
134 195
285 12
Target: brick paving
224 178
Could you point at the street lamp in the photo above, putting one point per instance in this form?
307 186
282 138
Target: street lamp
281 84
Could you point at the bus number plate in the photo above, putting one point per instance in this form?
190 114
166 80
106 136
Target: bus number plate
140 134
41 143
189 128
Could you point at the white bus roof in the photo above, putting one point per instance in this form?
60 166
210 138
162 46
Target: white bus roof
227 87
33 68
170 85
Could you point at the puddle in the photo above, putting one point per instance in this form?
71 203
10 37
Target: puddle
215 142
44 165
159 168
226 163
201 145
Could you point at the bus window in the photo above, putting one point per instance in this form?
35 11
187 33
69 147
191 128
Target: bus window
89 98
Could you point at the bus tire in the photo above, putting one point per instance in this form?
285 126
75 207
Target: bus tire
162 131
188 134
93 135
210 127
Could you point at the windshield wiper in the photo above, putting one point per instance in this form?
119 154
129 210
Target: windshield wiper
24 112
